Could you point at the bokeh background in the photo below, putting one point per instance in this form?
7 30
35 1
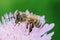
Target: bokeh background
49 8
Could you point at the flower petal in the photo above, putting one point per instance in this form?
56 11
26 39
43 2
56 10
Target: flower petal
46 28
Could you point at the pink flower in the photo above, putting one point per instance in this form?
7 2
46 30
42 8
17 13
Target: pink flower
11 31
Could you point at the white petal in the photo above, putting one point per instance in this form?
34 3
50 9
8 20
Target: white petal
3 20
6 15
44 35
27 12
47 37
46 28
6 18
42 20
21 13
51 26
31 13
10 16
15 12
0 22
13 20
43 30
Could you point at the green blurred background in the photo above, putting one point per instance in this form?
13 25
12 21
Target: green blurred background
49 8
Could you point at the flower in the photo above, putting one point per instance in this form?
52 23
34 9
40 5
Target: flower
11 31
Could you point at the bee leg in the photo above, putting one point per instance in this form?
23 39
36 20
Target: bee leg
27 25
32 25
30 28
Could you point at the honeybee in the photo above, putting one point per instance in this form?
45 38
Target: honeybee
30 18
